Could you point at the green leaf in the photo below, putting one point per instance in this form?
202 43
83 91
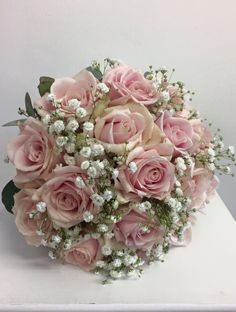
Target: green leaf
14 122
147 74
45 84
96 72
7 195
28 105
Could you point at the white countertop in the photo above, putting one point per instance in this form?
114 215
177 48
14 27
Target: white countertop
201 276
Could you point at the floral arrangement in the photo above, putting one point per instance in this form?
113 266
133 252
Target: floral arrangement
111 167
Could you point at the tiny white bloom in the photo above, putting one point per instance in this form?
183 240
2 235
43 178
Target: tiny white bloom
46 119
165 96
39 232
67 243
117 263
178 205
31 215
58 126
51 255
60 113
84 165
61 141
211 152
116 274
100 264
70 147
188 201
120 253
87 216
102 87
56 238
86 152
129 260
50 97
97 149
109 235
107 195
87 236
211 166
177 183
69 160
81 112
132 167
72 125
92 172
44 242
98 164
227 170
178 191
144 206
115 204
41 207
88 126
115 173
96 235
97 199
102 228
74 104
106 250
132 274
231 149
79 182
113 219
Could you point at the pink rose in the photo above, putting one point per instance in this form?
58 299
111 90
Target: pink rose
84 254
81 87
32 152
66 203
201 188
177 130
154 176
127 84
131 231
23 206
120 128
201 136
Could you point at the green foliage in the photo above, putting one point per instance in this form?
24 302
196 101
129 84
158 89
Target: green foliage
96 72
7 195
28 106
14 122
45 84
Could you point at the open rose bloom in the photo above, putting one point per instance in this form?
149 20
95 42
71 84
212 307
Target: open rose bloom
112 166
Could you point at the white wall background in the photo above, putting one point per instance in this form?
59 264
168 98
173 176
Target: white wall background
59 37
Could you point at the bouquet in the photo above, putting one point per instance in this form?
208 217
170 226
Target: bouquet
112 166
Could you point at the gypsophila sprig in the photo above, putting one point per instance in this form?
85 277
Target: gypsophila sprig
114 164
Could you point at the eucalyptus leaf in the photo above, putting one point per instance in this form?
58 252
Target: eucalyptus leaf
28 106
7 195
14 122
45 84
96 72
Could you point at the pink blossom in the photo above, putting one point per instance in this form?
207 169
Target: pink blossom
127 84
177 130
154 176
81 87
84 254
120 128
66 203
32 152
24 205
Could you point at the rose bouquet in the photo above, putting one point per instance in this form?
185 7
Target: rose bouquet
111 167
